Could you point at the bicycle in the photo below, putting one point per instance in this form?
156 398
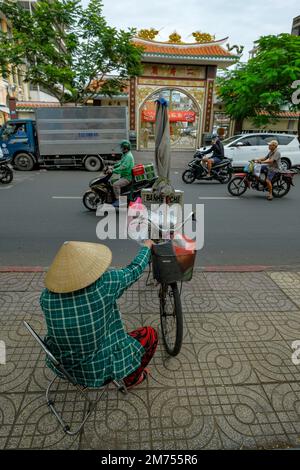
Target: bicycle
171 316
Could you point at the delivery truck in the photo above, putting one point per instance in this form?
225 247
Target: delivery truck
66 137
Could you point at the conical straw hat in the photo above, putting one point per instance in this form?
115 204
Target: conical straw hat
77 265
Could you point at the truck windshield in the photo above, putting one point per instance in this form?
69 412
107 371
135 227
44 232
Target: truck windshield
13 129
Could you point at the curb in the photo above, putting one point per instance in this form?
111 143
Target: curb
203 269
220 269
22 269
235 269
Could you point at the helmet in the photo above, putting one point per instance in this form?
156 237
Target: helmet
125 145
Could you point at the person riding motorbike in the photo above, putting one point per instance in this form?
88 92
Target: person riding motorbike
271 164
122 171
217 150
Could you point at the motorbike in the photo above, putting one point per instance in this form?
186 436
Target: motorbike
6 173
281 182
101 190
221 172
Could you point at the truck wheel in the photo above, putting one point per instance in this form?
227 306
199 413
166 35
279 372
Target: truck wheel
23 162
93 163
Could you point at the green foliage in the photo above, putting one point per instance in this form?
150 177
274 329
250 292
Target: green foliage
264 83
64 47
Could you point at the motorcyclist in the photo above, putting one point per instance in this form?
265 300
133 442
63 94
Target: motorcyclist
122 171
217 150
271 164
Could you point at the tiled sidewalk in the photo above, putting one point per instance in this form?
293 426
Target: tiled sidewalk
232 386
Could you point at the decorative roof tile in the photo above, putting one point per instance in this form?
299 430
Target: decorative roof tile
36 104
212 49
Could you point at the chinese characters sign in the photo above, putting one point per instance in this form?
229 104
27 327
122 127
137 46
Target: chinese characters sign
174 71
174 116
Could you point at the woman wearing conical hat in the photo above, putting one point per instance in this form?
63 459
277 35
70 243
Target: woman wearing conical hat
85 329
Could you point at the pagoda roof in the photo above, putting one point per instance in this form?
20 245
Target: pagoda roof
209 53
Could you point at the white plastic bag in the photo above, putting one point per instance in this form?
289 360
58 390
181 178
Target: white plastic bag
257 169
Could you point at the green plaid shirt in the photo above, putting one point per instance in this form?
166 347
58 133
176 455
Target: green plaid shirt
85 329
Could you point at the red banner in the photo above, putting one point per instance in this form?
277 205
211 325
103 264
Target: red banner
174 116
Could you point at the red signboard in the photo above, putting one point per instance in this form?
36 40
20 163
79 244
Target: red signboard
174 116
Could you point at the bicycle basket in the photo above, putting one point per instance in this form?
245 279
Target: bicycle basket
173 261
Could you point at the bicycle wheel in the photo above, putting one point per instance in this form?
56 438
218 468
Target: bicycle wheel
171 318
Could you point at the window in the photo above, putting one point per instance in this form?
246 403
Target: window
265 139
284 139
249 141
230 140
14 131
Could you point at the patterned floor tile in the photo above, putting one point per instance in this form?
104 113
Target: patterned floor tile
19 303
272 361
16 282
224 364
286 323
120 422
237 301
285 399
232 386
239 281
253 327
20 363
181 420
180 371
246 419
294 295
230 327
9 407
209 327
37 428
286 280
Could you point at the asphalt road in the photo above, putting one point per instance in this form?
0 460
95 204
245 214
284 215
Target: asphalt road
41 209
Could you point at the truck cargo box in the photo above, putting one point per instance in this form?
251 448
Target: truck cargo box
84 130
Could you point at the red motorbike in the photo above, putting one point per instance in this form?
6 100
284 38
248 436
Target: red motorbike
281 183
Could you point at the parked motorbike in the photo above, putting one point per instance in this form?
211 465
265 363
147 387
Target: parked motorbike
101 190
6 173
281 183
221 172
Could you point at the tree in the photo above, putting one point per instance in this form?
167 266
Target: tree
69 50
261 88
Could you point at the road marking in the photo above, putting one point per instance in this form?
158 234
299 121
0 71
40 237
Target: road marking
66 197
6 187
219 198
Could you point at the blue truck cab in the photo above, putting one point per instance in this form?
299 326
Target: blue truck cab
18 140
58 137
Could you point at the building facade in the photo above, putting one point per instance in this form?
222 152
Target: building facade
296 26
12 85
15 94
184 74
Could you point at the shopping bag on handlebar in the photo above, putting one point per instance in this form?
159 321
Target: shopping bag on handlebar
137 221
174 260
257 169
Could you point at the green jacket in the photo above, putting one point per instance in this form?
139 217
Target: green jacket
124 166
85 329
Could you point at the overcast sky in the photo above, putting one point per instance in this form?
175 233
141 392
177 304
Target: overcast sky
243 22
